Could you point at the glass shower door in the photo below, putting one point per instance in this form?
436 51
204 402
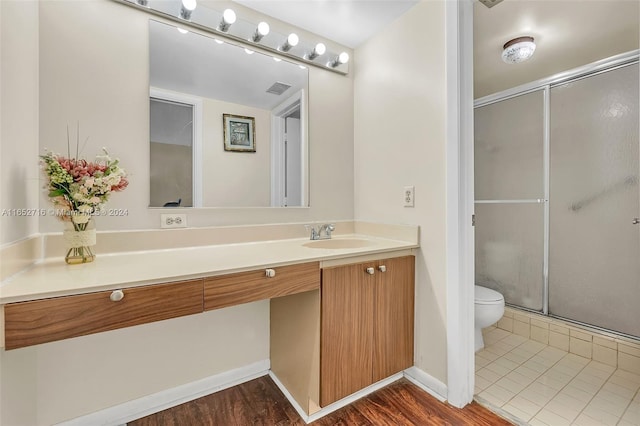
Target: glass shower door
594 260
509 188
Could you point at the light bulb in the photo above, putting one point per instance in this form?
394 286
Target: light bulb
290 42
182 31
261 31
248 51
317 51
342 58
263 28
229 16
188 6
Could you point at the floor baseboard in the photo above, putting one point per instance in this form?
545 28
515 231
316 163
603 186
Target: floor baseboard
426 382
122 413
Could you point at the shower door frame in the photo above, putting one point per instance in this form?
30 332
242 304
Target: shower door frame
545 85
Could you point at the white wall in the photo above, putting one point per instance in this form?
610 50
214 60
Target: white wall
93 67
400 121
235 179
19 171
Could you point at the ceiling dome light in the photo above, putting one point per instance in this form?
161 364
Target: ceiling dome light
518 50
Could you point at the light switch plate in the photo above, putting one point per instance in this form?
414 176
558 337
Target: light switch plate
173 221
409 196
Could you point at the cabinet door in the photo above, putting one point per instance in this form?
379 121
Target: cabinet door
346 336
393 316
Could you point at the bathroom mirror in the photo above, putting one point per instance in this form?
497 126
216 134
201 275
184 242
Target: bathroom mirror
227 124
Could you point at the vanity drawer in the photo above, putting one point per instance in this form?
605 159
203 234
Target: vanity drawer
48 320
244 287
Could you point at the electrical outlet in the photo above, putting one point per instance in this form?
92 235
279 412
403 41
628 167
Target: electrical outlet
409 195
173 221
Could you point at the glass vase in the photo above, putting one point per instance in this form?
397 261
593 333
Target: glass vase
80 237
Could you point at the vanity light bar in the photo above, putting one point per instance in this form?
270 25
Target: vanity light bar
227 24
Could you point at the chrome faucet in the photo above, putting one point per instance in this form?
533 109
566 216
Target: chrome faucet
322 232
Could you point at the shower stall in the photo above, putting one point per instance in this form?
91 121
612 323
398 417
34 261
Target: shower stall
557 195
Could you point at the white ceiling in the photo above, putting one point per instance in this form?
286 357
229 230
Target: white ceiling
568 34
197 65
348 22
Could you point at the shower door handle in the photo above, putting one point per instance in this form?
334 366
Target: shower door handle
636 220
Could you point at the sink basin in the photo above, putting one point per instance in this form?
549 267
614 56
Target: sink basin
339 243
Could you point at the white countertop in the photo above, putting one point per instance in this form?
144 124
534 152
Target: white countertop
52 278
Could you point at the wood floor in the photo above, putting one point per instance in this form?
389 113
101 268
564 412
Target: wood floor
260 402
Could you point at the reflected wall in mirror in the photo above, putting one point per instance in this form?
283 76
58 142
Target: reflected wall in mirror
195 80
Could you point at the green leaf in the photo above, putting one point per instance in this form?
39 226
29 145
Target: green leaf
56 193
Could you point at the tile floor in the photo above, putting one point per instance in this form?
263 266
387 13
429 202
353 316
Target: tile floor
545 386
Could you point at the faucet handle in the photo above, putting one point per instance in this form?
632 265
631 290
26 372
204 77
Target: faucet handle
329 228
313 230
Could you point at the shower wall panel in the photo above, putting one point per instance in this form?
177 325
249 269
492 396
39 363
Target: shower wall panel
508 148
509 179
594 257
509 251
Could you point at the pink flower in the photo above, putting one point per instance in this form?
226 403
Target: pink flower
121 185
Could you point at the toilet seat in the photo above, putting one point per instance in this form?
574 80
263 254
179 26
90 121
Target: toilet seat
486 296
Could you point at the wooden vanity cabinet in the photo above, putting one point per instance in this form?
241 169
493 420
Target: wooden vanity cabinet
47 320
245 287
367 322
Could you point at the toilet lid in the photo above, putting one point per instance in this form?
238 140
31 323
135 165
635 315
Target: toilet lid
486 295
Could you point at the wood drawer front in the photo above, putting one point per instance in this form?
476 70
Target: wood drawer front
244 287
41 321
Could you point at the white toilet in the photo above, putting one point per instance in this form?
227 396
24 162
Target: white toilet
489 308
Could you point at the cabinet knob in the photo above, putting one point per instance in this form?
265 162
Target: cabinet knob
116 295
382 268
270 273
370 271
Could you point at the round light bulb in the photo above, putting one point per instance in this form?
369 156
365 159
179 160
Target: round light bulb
277 59
343 58
320 48
248 51
182 31
229 16
263 28
189 4
293 39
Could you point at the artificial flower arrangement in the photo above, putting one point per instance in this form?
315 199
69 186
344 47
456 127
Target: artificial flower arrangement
79 189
